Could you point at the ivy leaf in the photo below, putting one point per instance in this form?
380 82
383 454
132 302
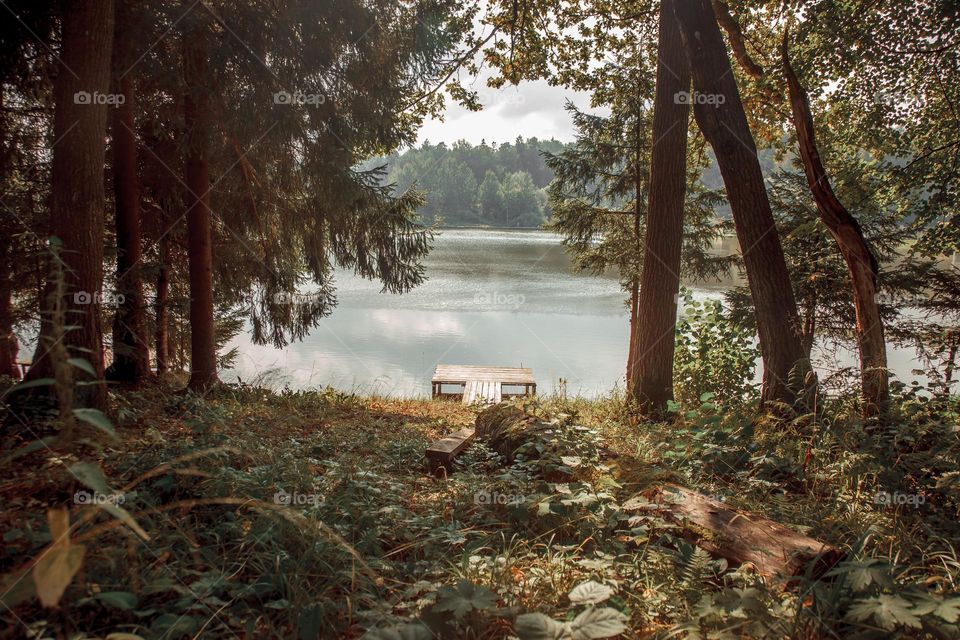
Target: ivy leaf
888 610
862 574
948 610
464 597
598 623
536 626
590 592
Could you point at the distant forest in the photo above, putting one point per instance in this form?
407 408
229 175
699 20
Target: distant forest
498 185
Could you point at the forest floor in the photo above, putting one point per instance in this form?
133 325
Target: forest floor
311 514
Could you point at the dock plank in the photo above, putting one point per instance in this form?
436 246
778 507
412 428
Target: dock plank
483 384
441 453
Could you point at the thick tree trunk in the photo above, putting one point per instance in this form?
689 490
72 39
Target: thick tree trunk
131 355
720 116
77 202
846 231
660 281
197 117
161 335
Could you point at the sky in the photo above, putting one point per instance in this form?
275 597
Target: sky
530 109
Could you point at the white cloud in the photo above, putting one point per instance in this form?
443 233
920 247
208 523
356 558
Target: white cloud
530 109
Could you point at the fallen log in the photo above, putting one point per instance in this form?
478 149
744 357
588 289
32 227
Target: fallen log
777 551
505 428
743 538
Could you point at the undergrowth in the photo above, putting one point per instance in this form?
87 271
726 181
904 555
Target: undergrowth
257 514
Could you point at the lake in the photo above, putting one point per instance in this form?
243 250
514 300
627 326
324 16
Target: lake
492 297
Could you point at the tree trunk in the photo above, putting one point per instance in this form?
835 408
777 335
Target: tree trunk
77 202
634 299
197 117
131 355
635 284
810 325
720 116
846 231
660 281
8 339
161 335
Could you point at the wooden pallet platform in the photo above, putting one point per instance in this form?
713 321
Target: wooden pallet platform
483 385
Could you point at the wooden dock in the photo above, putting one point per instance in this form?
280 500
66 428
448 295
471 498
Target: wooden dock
483 385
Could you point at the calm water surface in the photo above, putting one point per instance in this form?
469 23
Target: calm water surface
492 297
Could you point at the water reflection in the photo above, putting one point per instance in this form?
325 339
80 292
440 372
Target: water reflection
492 297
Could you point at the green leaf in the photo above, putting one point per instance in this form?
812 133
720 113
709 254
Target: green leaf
412 631
590 592
536 626
91 476
29 448
170 625
83 364
888 611
97 419
29 384
948 610
861 574
598 623
123 600
124 516
463 598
